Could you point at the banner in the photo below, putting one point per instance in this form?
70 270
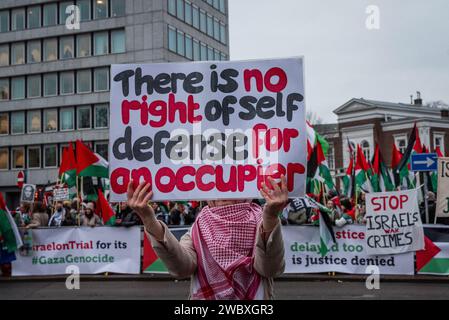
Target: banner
393 222
93 250
348 255
442 209
207 130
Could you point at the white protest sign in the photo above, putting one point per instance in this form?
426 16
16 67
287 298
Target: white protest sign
61 194
207 130
93 250
28 192
348 255
393 222
442 209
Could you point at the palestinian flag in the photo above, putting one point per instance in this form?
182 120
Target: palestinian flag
434 259
312 138
402 176
8 229
434 174
403 167
106 212
67 169
323 174
327 236
380 179
362 172
348 180
90 164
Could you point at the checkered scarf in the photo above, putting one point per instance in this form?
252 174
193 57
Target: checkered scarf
224 239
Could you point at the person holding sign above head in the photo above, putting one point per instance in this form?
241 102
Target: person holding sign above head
233 250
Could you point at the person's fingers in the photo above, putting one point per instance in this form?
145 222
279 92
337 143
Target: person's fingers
137 191
130 189
265 189
264 195
284 184
148 197
143 192
274 184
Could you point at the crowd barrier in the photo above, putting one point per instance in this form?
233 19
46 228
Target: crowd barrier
126 250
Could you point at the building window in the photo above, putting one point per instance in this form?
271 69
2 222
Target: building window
210 53
83 117
4 89
18 88
66 82
34 17
366 150
101 79
189 47
50 156
4 55
4 21
171 39
18 19
203 21
50 120
18 122
195 17
50 84
4 124
101 43
101 116
172 7
83 45
118 8
331 157
222 33
180 43
118 41
188 13
216 30
84 6
203 52
67 116
34 51
401 143
102 149
100 9
62 11
34 157
84 81
180 9
210 26
50 49
50 14
34 86
18 158
222 6
18 53
34 121
216 55
438 141
196 50
66 47
4 155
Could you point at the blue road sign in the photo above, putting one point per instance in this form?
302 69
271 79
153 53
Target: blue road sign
424 162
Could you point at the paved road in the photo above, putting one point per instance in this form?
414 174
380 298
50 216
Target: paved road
153 289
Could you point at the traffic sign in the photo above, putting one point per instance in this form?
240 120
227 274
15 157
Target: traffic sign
424 162
20 179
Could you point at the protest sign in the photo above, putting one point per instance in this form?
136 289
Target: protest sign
93 250
442 209
435 258
61 194
207 130
347 255
393 222
28 192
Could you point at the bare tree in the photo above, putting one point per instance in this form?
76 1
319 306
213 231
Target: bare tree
313 118
438 104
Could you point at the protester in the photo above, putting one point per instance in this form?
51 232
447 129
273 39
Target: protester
226 233
126 217
90 219
348 213
39 217
58 215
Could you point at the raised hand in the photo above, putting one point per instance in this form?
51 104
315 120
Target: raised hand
138 201
276 198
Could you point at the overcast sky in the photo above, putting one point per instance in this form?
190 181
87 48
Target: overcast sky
343 59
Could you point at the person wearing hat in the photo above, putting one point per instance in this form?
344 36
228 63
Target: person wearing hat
233 250
90 219
39 217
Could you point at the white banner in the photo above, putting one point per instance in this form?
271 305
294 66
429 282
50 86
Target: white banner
442 209
348 255
207 130
393 222
92 250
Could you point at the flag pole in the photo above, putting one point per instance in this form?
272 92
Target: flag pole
78 202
